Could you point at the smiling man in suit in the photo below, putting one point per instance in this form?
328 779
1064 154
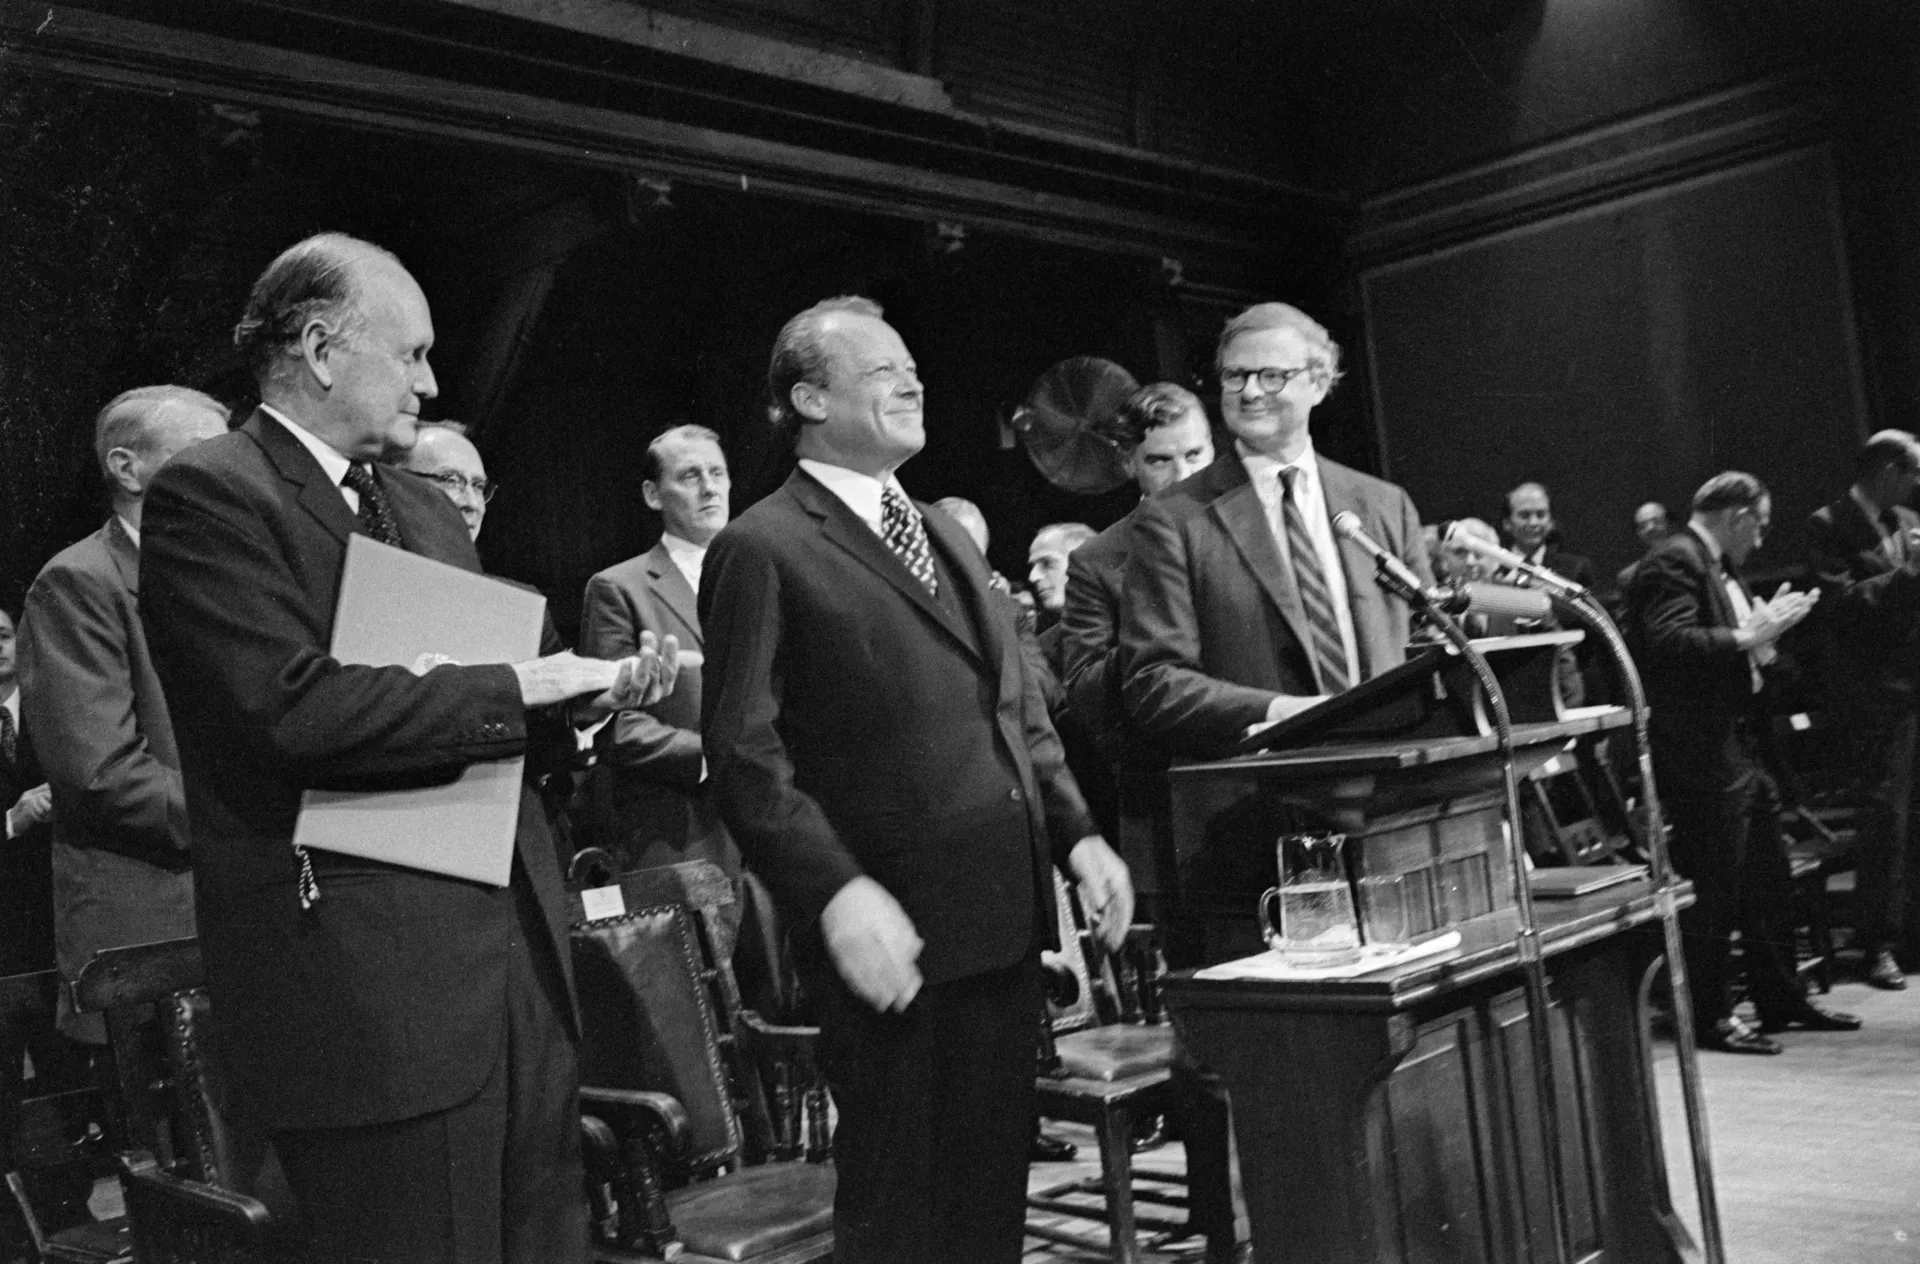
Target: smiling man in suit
648 793
122 873
408 1039
1242 606
885 762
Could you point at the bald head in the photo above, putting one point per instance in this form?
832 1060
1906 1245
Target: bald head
443 453
968 515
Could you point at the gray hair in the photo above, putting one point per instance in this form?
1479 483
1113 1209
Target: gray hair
1323 350
311 280
800 355
129 417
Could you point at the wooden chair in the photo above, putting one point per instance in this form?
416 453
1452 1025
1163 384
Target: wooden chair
53 1133
1574 810
200 1187
686 1159
1107 1070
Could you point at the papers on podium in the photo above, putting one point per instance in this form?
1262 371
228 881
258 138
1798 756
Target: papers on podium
394 607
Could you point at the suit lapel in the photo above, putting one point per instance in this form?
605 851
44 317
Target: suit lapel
670 584
318 495
1241 515
1341 492
124 554
843 529
1716 581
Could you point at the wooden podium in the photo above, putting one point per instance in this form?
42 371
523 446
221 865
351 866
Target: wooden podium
1393 1116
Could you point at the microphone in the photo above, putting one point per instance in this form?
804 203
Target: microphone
1403 581
1479 597
1509 559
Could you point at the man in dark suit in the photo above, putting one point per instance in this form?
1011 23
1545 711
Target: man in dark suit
1702 641
1164 431
1865 549
1242 606
883 759
649 793
121 870
407 1039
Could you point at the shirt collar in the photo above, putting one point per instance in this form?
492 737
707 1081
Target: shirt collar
683 552
859 492
1868 508
133 532
332 463
1265 470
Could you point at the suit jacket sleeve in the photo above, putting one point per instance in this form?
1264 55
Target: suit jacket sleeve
781 830
1090 638
1674 624
1164 688
224 604
76 678
1068 820
1860 592
610 627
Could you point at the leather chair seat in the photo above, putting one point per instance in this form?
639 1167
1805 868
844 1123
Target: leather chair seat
1118 1052
754 1211
100 1240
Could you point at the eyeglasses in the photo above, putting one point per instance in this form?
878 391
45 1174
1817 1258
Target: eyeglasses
1273 381
484 488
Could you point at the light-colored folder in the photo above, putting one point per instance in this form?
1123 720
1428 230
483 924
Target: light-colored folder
394 607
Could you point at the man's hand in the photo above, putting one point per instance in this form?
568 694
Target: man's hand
35 807
873 944
1106 889
1285 706
1773 618
638 681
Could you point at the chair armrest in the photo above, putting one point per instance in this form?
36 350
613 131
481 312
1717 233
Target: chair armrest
761 1039
658 1118
175 1218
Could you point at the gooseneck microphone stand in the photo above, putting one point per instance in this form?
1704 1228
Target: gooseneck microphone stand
1579 601
1526 939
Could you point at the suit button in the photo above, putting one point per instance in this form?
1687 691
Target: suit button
1015 794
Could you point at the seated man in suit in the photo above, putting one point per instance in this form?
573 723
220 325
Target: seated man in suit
122 872
648 794
1865 549
408 1039
1702 640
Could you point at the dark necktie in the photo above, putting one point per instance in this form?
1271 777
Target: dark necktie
9 740
906 535
1323 626
375 518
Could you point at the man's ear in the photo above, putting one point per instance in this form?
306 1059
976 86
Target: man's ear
808 402
318 342
650 492
121 471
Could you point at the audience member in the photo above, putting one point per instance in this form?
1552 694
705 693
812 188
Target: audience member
887 766
1534 535
1650 526
122 872
408 1039
648 794
1865 550
444 455
1047 566
1702 640
1163 430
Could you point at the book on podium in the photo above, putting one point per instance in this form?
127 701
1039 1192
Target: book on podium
396 607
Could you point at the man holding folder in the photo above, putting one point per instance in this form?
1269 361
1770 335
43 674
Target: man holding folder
407 1038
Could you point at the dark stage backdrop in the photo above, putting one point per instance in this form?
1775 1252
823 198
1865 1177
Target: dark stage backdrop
1625 353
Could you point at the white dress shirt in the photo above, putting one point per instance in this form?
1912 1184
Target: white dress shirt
12 705
859 492
686 555
332 463
1308 493
1760 655
133 532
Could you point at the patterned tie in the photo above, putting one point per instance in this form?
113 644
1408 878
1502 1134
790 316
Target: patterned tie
1323 627
374 517
9 740
906 535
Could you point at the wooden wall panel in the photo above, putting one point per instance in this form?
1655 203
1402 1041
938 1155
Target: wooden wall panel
1626 351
